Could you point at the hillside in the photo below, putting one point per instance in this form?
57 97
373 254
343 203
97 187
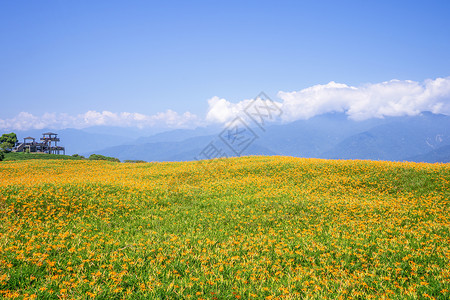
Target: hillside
249 228
330 136
10 156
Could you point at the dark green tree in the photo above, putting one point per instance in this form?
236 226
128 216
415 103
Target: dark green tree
2 156
7 141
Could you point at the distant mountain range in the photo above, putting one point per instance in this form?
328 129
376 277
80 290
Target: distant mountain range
425 137
399 139
440 155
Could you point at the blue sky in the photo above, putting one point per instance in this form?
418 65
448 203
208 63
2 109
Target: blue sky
143 57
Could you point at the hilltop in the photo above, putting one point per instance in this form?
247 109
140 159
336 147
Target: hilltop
11 156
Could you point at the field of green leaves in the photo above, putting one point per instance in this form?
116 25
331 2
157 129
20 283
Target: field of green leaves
240 228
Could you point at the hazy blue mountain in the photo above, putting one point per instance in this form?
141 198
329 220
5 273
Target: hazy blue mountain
398 139
441 155
152 135
193 154
177 135
160 151
312 137
188 149
326 136
308 138
77 141
129 132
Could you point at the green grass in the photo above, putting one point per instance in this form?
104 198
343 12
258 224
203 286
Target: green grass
11 156
248 228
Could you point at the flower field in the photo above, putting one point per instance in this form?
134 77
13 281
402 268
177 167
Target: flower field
240 228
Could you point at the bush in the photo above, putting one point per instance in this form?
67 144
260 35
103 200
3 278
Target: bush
7 141
102 157
78 156
2 155
134 161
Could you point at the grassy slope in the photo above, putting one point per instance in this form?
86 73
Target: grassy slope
251 227
26 156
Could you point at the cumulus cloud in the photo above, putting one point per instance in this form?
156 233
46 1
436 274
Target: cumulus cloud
169 119
374 100
390 98
222 111
378 100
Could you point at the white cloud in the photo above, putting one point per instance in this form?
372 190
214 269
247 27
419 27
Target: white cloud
377 100
169 119
390 98
222 111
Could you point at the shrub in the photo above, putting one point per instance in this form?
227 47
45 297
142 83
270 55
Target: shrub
102 157
7 141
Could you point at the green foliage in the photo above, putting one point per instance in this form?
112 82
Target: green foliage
102 157
78 156
13 156
5 146
240 228
2 155
7 141
134 161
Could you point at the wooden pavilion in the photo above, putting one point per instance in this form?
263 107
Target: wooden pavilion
48 144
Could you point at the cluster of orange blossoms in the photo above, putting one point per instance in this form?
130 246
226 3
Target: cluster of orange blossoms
248 228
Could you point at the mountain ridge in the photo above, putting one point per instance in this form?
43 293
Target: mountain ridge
331 136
